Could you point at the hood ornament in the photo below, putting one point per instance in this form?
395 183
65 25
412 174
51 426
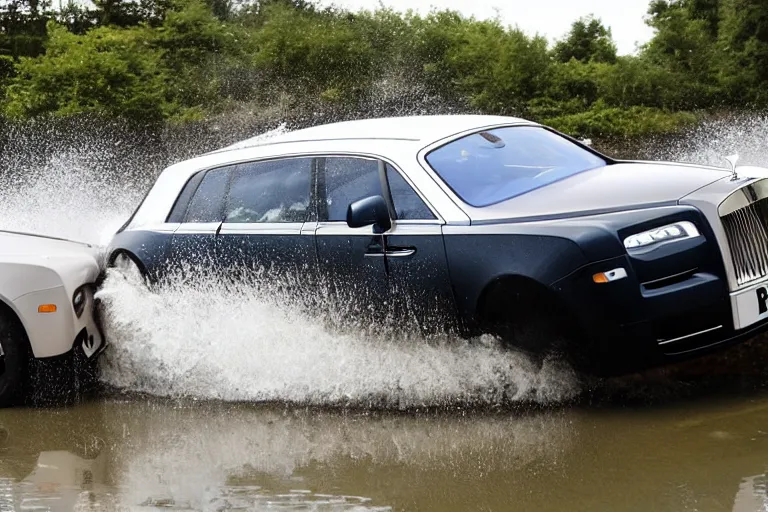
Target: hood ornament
732 162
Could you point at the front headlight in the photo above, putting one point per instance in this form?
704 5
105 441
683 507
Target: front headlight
78 301
669 233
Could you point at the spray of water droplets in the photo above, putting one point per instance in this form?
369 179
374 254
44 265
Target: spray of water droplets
235 342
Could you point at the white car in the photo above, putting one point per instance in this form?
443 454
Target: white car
48 326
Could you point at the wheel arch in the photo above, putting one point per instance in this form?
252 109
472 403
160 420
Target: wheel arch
8 309
129 254
146 248
518 295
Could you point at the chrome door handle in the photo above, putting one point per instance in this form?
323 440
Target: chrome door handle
401 252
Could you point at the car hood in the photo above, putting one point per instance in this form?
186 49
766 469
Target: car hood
58 262
620 186
13 243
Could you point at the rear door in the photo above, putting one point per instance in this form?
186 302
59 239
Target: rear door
263 233
199 210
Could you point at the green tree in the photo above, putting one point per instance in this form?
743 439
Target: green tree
178 60
684 41
588 40
107 71
313 52
743 42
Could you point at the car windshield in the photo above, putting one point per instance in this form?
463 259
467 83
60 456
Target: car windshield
495 165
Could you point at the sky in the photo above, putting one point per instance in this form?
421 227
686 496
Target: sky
550 18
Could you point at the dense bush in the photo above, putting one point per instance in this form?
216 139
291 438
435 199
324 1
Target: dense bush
155 61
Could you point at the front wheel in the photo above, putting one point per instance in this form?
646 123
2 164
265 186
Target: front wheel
14 360
128 267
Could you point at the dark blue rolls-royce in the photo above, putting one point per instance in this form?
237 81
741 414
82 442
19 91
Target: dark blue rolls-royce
477 224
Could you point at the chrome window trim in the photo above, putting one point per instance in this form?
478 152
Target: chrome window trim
197 228
162 227
405 227
335 228
400 156
308 228
335 154
261 228
408 227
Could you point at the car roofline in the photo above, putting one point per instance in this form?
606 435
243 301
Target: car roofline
267 142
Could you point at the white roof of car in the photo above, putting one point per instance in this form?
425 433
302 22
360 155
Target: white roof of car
387 137
414 128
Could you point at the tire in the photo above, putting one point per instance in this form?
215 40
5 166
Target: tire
525 318
14 362
128 267
533 333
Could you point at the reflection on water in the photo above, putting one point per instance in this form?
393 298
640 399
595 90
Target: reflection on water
752 495
135 454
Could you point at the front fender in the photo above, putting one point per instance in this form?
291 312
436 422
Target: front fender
50 334
477 260
27 286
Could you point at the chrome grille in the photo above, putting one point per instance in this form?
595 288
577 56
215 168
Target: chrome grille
747 231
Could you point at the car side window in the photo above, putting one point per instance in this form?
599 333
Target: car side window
207 203
273 191
346 181
408 205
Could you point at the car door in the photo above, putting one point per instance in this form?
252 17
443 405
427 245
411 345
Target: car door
262 235
398 275
199 209
417 266
351 263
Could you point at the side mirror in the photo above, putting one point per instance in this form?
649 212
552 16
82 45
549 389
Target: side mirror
369 211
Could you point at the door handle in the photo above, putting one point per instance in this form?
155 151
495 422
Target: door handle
374 250
400 252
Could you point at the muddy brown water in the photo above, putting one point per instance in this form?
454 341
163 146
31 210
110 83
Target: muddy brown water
694 438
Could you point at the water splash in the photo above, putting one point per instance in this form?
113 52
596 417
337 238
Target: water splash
231 342
710 142
68 196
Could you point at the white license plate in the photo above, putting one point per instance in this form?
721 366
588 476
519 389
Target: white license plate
750 306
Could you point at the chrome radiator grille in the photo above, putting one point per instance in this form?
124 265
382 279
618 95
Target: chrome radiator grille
747 233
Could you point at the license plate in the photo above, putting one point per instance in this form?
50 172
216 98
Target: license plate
750 306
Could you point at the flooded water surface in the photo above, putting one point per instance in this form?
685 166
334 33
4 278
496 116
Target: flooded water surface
141 454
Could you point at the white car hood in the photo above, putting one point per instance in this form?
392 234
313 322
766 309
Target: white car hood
620 186
57 262
14 243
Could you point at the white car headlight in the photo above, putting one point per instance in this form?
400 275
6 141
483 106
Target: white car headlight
668 233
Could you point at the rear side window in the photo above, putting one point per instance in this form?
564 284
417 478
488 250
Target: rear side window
408 204
346 181
208 202
495 165
273 191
